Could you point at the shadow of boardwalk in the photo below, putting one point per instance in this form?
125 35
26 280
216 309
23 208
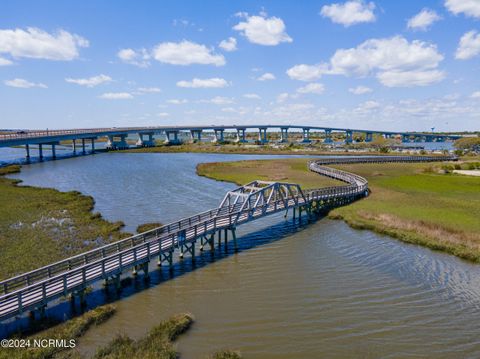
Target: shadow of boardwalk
64 309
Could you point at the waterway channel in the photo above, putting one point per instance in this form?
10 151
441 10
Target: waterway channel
322 290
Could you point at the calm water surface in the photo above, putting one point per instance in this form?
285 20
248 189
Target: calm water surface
323 290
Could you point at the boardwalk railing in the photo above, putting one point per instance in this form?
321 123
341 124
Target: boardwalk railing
34 289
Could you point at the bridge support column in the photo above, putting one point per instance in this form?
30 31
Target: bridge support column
218 135
116 145
54 155
284 134
145 143
262 135
328 136
83 146
40 151
74 143
306 135
93 145
368 137
196 135
172 138
241 135
348 137
27 148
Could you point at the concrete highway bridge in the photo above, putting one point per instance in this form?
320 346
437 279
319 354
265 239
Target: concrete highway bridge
32 291
116 137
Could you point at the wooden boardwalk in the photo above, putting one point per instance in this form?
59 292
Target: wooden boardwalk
33 290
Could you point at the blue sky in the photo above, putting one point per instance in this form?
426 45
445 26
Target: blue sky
392 65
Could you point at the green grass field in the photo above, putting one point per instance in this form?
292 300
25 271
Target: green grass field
40 226
410 201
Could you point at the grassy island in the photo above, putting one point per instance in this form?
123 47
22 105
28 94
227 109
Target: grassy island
251 148
39 226
418 203
156 344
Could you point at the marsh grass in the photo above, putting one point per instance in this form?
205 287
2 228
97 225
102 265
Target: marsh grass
409 201
226 354
41 225
230 148
157 344
148 226
282 170
72 329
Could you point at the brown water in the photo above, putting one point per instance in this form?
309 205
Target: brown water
318 291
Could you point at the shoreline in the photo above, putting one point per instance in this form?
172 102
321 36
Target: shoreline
417 232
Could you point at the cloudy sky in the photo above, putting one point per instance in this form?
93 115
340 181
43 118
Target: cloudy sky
391 65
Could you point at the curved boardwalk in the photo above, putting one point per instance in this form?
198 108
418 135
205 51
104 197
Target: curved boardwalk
33 290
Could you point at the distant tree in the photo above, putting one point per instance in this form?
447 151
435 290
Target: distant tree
381 143
468 144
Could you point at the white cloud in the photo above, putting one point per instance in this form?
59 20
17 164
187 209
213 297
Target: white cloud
186 53
410 78
360 90
367 106
163 114
262 30
116 96
266 77
252 96
35 43
469 46
149 90
391 54
91 81
177 101
205 83
468 7
423 20
138 58
394 61
219 100
22 83
5 62
306 72
476 94
314 88
229 45
350 12
282 97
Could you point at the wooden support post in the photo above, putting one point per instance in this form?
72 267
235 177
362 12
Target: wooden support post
42 310
192 251
83 300
145 270
212 242
116 281
219 238
226 236
234 236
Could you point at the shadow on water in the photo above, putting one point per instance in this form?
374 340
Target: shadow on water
65 309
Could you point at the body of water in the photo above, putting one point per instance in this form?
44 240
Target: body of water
309 291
